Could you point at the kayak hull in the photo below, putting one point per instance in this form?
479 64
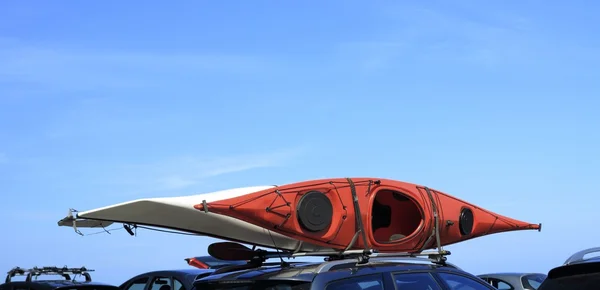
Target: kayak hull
178 213
395 216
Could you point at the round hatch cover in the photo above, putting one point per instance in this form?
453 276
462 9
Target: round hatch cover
465 222
315 211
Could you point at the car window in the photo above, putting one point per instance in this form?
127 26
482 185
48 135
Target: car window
177 285
138 284
367 282
415 281
499 284
460 282
533 281
161 283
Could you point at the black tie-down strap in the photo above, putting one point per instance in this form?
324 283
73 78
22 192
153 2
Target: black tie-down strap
435 233
360 229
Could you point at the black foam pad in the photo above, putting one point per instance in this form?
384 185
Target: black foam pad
230 251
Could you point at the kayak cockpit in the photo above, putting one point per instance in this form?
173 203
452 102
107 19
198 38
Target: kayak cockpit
394 216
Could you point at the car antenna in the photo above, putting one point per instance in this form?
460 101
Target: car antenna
283 263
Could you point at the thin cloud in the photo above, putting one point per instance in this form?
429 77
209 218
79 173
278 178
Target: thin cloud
431 35
74 69
183 172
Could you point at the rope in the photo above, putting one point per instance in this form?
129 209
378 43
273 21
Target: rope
144 227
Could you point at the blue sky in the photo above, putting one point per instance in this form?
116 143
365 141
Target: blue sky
108 101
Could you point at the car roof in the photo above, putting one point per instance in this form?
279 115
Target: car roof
306 271
190 271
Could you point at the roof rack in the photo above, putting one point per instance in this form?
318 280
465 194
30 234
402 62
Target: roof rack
231 251
38 271
580 256
389 259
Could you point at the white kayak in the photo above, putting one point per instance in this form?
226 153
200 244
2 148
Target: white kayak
178 213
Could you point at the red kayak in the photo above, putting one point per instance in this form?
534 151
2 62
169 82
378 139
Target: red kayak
365 213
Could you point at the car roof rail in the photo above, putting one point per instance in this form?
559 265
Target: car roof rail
411 259
38 271
580 256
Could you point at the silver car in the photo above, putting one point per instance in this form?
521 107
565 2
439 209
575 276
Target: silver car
514 281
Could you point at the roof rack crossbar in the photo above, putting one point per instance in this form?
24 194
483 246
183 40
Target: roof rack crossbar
48 270
580 256
400 259
262 255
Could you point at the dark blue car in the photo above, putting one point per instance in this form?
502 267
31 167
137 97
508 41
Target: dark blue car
350 272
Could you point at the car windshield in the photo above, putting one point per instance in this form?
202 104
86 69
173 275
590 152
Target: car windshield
533 281
254 285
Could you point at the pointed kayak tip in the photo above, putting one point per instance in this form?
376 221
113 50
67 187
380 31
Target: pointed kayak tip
537 227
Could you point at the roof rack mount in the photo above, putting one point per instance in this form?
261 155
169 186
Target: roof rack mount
48 270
